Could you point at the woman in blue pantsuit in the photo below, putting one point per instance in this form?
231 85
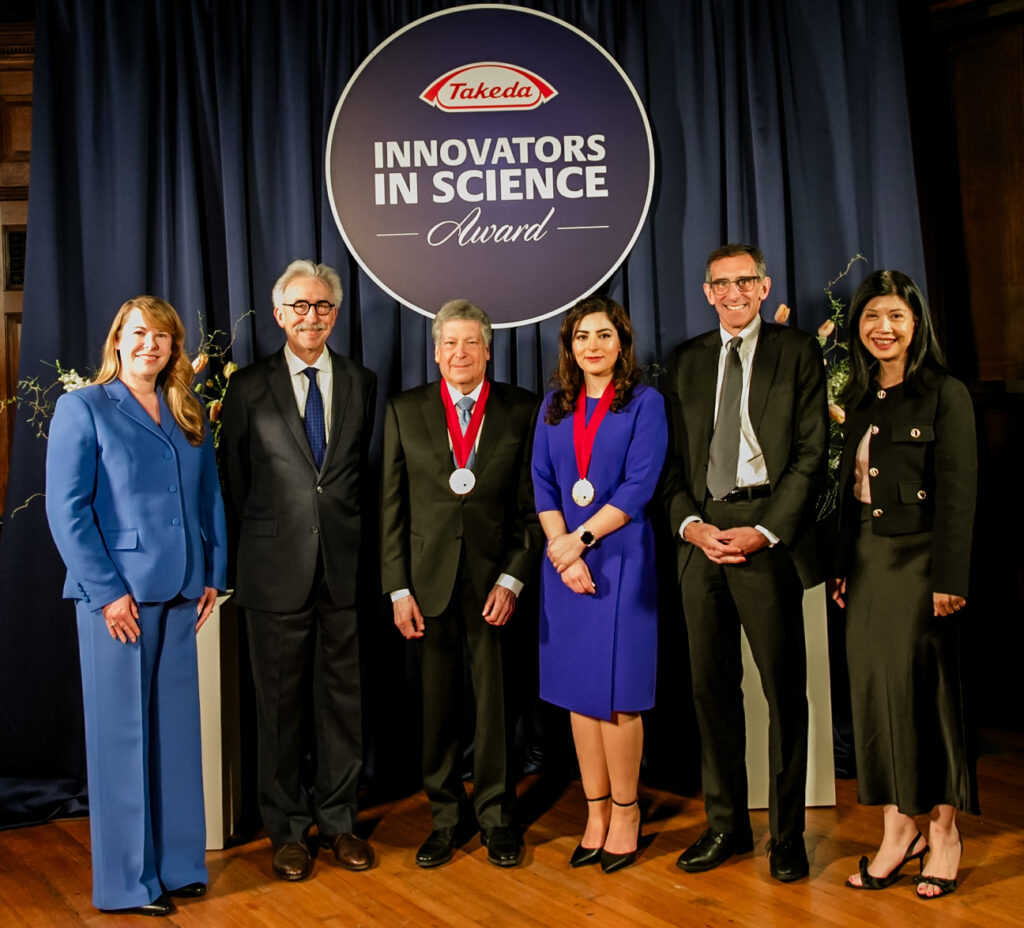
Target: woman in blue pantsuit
134 505
598 452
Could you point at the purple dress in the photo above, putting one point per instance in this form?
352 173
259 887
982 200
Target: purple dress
598 652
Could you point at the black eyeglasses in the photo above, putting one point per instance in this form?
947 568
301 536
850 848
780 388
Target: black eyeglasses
743 284
302 307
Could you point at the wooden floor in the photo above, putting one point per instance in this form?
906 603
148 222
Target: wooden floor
45 881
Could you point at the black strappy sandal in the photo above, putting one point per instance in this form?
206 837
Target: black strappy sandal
884 882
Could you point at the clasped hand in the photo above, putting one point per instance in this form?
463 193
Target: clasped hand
565 553
564 550
725 545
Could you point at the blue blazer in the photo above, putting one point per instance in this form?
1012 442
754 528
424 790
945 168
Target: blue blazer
133 507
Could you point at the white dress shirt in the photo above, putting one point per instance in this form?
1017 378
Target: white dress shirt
300 382
751 470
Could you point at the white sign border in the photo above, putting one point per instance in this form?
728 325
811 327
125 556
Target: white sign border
516 9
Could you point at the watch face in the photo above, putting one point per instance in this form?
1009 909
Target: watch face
587 538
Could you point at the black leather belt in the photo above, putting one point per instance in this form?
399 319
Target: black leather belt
747 493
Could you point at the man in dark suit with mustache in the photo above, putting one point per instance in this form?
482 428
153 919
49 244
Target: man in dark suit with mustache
296 429
750 441
459 538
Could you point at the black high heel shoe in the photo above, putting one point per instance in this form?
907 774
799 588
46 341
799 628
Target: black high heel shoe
884 882
612 862
945 886
583 856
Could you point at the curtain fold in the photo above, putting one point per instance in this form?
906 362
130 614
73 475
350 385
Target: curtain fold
178 148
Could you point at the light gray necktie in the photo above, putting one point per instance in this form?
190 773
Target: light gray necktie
725 443
465 406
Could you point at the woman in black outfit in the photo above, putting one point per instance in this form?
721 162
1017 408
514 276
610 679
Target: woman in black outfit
908 480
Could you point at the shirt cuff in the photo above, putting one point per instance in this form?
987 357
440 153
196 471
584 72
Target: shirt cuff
772 539
400 594
510 583
687 521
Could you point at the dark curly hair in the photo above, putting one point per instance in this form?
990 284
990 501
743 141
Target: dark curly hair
568 379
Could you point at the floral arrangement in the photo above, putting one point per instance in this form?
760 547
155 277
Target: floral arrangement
212 355
835 348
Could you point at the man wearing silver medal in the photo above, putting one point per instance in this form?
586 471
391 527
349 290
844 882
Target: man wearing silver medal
459 538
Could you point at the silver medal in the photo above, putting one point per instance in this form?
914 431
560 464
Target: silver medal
462 481
583 492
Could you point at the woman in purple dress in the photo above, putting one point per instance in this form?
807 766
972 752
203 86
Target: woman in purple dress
597 456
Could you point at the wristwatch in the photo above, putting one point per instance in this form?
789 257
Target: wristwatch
587 536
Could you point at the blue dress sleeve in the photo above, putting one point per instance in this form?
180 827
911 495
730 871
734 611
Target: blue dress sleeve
546 494
645 455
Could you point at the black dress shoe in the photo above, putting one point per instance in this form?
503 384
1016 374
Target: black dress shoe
162 905
713 848
788 860
437 849
188 891
292 861
504 846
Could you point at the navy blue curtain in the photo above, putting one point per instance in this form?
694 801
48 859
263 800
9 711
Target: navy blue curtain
178 149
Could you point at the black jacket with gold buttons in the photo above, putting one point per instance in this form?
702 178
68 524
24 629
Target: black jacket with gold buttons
923 473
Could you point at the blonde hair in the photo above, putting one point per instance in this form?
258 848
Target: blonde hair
175 378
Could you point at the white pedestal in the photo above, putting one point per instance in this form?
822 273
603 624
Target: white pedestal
218 707
821 782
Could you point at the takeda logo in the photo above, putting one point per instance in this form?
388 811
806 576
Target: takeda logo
488 85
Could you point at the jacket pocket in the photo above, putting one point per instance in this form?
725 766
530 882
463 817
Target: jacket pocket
120 539
912 492
261 528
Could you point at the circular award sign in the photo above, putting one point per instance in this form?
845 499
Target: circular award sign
491 153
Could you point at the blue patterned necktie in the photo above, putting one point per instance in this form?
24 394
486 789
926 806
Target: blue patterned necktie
316 430
465 406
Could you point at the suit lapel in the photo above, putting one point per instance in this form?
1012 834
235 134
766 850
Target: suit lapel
490 432
766 359
341 391
284 397
437 427
132 408
705 375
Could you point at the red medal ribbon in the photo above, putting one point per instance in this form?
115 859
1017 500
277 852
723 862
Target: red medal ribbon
463 444
583 435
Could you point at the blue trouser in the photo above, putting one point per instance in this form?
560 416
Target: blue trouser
142 746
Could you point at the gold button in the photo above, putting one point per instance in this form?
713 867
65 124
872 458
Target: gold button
921 494
874 430
873 472
881 394
876 512
915 433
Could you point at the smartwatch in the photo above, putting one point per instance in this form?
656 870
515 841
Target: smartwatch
587 536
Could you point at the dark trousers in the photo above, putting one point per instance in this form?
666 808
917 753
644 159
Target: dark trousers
457 635
318 648
764 597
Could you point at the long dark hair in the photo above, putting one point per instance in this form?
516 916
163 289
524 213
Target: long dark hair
568 378
923 352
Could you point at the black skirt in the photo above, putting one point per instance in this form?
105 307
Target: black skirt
908 711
